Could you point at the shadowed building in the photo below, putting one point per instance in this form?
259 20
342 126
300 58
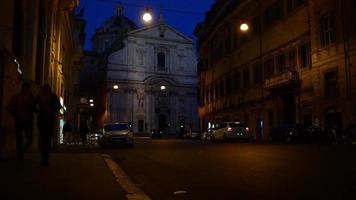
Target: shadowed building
293 64
41 42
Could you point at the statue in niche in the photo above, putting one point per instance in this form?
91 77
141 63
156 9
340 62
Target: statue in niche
140 97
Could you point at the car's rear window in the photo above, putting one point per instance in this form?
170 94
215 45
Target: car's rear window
237 124
115 127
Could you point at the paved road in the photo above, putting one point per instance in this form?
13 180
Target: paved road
239 170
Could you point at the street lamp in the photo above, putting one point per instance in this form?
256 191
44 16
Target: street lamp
91 100
244 27
115 86
147 16
163 87
91 104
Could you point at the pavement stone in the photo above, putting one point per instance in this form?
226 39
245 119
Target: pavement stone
69 176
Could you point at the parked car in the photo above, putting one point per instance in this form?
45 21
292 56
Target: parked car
192 135
115 134
231 130
286 133
339 135
155 133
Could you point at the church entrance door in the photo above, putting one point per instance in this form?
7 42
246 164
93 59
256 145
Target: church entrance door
162 122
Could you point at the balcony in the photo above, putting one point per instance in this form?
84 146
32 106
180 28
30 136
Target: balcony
282 80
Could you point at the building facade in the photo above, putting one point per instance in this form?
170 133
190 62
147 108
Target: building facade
153 70
38 45
293 64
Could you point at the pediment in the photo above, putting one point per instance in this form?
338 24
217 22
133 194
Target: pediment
155 31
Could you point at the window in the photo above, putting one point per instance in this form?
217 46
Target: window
257 73
228 84
106 44
327 29
236 81
269 68
331 84
293 4
281 63
235 40
305 57
246 78
227 45
161 61
274 13
291 60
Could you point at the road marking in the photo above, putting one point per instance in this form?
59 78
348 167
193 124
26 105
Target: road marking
180 192
133 192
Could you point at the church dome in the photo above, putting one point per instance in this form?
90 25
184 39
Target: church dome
117 23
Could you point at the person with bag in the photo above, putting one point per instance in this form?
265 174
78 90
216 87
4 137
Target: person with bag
47 104
21 108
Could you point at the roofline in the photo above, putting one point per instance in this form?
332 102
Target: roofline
169 26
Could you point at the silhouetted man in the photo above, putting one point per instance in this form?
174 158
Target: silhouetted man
21 108
48 105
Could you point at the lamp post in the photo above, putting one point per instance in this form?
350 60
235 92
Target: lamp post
244 27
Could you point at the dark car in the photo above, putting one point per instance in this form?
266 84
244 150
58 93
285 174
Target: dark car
286 133
313 134
156 133
193 134
339 135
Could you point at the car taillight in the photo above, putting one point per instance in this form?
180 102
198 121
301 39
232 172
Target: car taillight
247 129
229 129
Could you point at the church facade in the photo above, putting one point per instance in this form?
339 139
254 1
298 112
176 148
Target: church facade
150 77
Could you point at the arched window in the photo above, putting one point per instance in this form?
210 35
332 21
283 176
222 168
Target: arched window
161 61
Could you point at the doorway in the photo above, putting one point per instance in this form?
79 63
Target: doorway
162 122
333 120
140 126
288 102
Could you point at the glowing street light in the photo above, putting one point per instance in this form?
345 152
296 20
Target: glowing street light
244 27
163 87
92 105
147 16
115 87
91 100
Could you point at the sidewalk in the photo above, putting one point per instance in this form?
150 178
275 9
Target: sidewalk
69 176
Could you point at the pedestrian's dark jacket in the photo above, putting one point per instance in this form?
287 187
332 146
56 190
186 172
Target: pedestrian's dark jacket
48 105
21 106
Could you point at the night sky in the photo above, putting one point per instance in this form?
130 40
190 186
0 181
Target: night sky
183 15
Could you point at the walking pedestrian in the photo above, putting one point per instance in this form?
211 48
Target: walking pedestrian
67 132
48 105
83 130
21 108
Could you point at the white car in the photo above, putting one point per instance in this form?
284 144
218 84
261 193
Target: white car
231 130
116 134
